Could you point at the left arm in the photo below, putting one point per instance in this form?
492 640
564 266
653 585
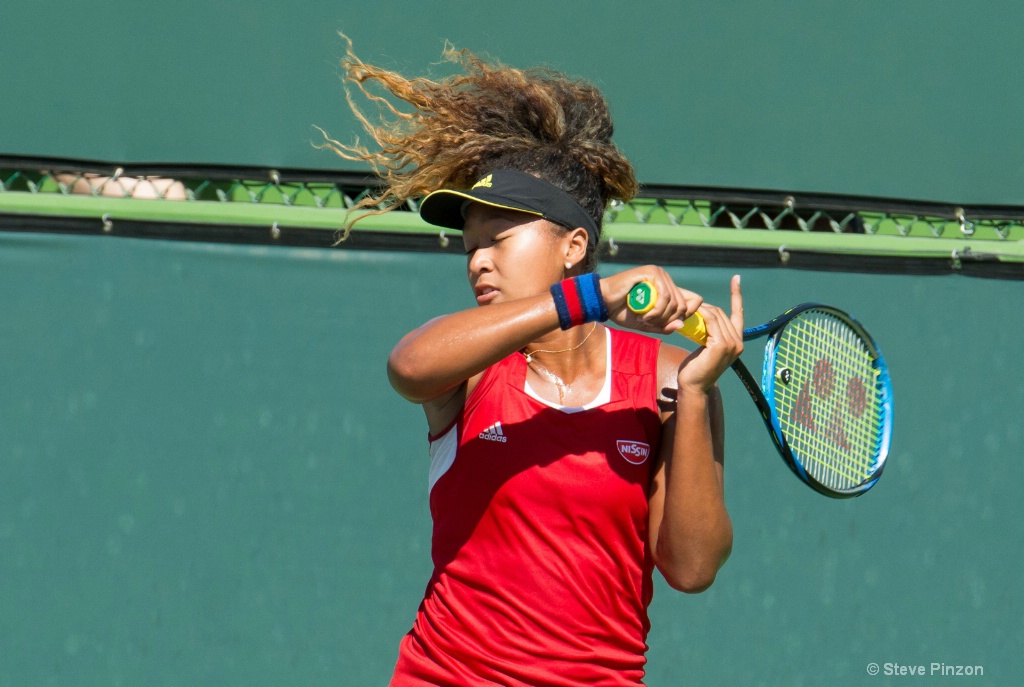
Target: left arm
690 531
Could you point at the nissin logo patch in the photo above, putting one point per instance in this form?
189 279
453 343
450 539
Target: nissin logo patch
636 452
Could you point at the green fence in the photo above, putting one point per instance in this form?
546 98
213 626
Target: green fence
681 225
205 478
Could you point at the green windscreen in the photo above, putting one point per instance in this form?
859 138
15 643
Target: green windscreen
916 99
205 478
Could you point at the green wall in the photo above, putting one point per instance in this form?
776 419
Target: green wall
917 99
206 480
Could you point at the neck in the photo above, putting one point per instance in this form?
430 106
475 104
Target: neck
570 378
567 354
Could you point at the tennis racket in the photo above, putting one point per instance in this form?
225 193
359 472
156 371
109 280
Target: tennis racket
825 394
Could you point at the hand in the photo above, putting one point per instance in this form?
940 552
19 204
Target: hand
674 304
703 367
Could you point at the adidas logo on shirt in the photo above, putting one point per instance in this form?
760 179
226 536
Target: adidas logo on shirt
494 433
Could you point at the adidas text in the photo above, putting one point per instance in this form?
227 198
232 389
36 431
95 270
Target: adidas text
494 433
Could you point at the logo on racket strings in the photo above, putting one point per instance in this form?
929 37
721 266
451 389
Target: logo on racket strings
636 452
849 404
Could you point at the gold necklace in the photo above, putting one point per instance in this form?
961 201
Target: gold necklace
561 386
529 356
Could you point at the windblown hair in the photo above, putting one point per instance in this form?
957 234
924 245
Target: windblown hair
489 116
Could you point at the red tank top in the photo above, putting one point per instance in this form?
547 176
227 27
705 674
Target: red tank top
542 569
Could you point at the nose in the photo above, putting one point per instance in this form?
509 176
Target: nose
479 262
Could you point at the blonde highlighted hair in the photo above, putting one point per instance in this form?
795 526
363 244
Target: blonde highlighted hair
489 116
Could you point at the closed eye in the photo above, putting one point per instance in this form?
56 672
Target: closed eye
491 243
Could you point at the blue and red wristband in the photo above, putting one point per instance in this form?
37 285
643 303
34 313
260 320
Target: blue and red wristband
579 300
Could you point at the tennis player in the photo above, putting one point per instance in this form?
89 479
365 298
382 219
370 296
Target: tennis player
568 459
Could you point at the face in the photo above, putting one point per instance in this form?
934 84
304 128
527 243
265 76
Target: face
511 254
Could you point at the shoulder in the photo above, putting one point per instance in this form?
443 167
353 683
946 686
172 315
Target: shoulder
670 356
443 411
643 354
670 359
648 356
633 352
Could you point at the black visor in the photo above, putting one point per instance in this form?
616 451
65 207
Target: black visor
510 190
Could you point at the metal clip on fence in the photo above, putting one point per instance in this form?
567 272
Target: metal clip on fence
613 248
957 255
966 228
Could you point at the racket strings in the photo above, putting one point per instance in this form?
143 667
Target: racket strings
831 426
843 446
860 425
834 450
863 421
818 437
852 363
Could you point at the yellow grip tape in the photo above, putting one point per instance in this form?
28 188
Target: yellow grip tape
642 298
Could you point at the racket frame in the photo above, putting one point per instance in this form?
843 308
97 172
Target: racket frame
763 394
642 299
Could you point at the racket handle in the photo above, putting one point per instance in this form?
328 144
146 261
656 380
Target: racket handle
642 298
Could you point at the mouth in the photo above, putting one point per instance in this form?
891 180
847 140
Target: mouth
485 294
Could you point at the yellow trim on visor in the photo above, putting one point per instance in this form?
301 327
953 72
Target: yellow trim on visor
474 199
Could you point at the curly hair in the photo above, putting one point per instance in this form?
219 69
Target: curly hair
489 116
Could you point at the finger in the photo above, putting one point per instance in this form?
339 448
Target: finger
722 335
737 304
707 314
686 304
666 303
689 300
712 321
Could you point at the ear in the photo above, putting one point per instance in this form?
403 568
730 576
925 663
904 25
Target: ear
576 246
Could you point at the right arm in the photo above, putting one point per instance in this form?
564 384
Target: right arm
434 360
439 363
432 363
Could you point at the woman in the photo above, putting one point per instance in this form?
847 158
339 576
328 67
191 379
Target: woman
568 459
